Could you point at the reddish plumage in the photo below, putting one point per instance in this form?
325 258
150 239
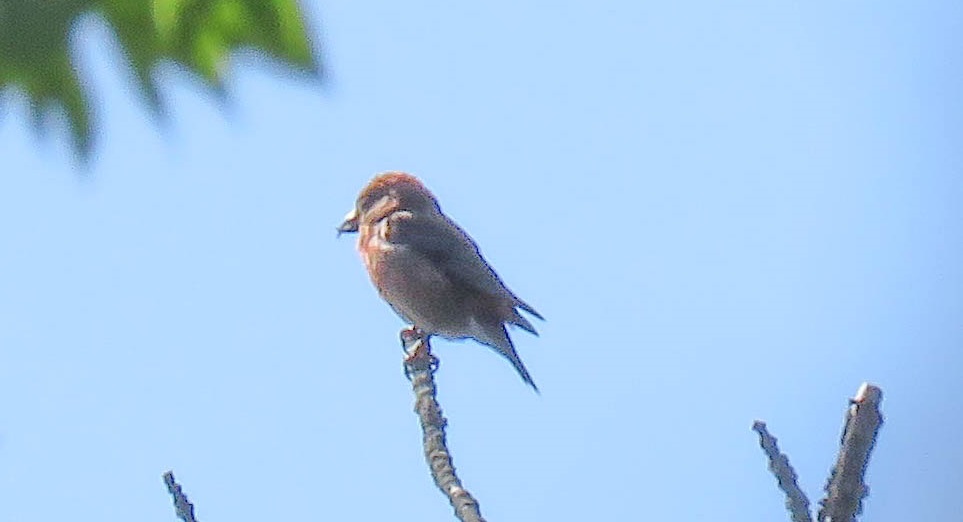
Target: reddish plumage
429 270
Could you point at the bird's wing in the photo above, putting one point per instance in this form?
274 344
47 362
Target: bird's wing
445 244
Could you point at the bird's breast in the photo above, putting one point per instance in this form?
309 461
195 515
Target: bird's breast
373 246
416 288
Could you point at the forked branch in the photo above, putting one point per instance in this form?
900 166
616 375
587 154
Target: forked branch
845 488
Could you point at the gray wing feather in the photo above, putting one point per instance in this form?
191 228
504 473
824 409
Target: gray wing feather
443 242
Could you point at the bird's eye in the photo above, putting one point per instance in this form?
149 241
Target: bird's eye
366 202
373 203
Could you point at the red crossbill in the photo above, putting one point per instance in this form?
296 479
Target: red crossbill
429 270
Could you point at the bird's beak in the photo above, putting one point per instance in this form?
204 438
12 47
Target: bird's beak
350 223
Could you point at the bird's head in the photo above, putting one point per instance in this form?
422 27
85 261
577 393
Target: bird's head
386 193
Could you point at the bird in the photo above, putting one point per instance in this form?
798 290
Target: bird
430 271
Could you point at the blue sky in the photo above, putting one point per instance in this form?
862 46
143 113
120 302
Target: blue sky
725 212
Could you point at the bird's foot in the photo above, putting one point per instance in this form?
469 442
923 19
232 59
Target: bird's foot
420 351
409 336
417 351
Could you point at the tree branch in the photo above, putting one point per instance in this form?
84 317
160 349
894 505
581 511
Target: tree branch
796 501
845 488
182 506
420 367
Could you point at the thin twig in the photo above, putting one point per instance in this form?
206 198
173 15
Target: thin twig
796 501
182 507
845 488
420 367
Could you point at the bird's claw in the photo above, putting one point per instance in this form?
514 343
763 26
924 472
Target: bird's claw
409 336
417 351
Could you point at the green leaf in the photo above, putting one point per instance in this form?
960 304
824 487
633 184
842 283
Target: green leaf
134 25
35 59
204 33
200 35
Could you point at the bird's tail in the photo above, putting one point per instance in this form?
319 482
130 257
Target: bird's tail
497 337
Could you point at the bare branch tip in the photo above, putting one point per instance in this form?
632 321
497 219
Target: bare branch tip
868 393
